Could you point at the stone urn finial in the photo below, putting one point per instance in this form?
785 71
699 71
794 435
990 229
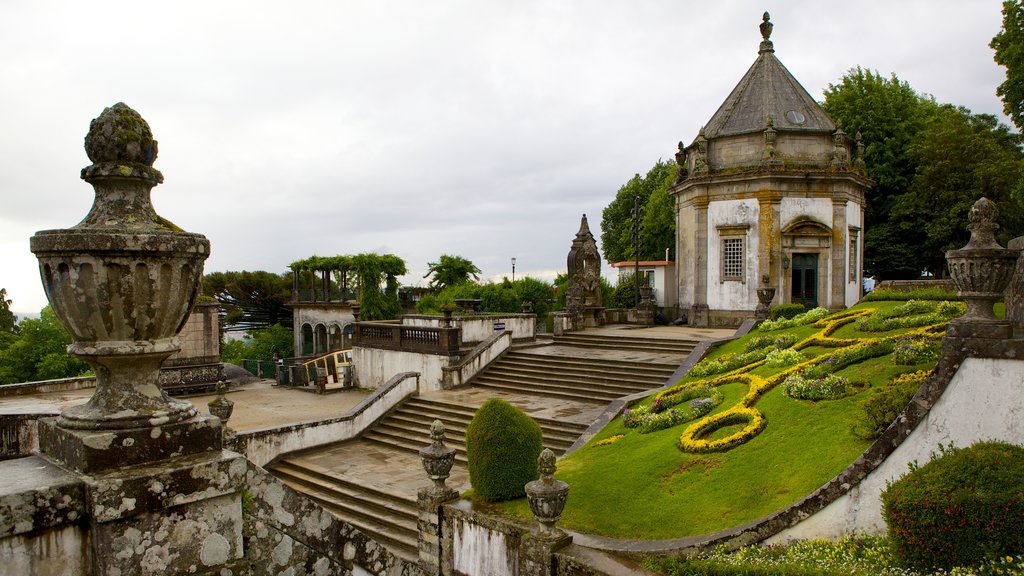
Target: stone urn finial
438 460
220 406
981 270
547 496
123 280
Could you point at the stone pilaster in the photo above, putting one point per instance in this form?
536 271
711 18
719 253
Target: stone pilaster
699 311
839 254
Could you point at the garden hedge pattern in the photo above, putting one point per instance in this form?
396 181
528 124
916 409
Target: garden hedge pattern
842 352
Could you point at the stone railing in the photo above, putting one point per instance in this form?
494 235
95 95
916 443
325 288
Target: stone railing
476 360
422 339
262 446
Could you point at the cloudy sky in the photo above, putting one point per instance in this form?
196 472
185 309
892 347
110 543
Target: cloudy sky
470 127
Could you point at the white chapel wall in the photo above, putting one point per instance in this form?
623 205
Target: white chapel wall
818 209
732 295
854 219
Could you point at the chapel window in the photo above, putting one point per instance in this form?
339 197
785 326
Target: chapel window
732 258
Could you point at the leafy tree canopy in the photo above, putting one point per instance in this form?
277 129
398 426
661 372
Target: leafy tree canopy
250 300
1009 47
376 279
8 321
38 351
451 270
931 162
259 344
505 296
658 226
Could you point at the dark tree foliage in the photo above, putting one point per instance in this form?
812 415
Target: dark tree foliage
658 225
889 114
960 158
38 351
260 344
505 296
8 321
931 162
451 270
1009 47
250 300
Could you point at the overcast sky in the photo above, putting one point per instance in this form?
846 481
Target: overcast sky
477 128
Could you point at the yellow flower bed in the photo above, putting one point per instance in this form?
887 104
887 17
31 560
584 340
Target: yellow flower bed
694 438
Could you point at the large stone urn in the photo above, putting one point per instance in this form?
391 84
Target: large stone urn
981 270
438 460
122 281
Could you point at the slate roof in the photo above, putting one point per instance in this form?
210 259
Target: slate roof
768 89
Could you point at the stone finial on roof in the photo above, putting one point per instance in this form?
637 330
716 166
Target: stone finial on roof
766 33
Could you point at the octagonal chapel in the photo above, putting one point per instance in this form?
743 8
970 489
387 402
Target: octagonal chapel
770 194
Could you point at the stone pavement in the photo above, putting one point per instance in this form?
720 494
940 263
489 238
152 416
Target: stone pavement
258 404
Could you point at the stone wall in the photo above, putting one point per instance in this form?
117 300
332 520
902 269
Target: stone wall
374 366
262 446
479 327
463 371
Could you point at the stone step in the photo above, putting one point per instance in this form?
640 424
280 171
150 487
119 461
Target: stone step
627 343
455 430
592 364
460 415
386 519
584 396
596 373
573 381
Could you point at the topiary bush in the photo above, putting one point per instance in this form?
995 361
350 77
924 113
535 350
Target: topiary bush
502 446
963 507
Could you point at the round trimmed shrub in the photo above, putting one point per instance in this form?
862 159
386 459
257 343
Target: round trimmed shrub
502 446
961 508
786 311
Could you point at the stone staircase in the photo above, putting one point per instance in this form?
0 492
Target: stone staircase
590 380
388 518
679 347
408 427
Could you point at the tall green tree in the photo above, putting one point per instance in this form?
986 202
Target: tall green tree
889 114
1009 47
960 157
451 270
8 321
250 300
658 227
39 352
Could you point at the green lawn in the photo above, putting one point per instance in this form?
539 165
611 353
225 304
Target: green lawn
644 486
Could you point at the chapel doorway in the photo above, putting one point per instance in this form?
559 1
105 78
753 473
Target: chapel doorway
804 280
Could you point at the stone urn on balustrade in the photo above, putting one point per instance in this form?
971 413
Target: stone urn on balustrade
122 281
765 295
981 269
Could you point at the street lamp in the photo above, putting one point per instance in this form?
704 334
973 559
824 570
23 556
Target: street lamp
513 268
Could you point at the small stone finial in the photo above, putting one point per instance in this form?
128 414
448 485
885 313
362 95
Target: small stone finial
982 222
681 162
766 34
438 460
547 496
437 432
120 141
858 158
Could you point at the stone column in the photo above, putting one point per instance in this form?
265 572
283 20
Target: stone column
122 282
839 253
438 460
699 312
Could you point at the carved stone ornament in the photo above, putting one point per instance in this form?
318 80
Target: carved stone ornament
547 496
123 280
584 271
700 156
220 406
982 268
438 460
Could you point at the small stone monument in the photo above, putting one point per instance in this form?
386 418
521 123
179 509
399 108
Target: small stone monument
584 298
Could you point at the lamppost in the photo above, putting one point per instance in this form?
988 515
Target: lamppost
513 268
636 219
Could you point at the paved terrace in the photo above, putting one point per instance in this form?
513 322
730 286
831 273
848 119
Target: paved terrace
259 405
